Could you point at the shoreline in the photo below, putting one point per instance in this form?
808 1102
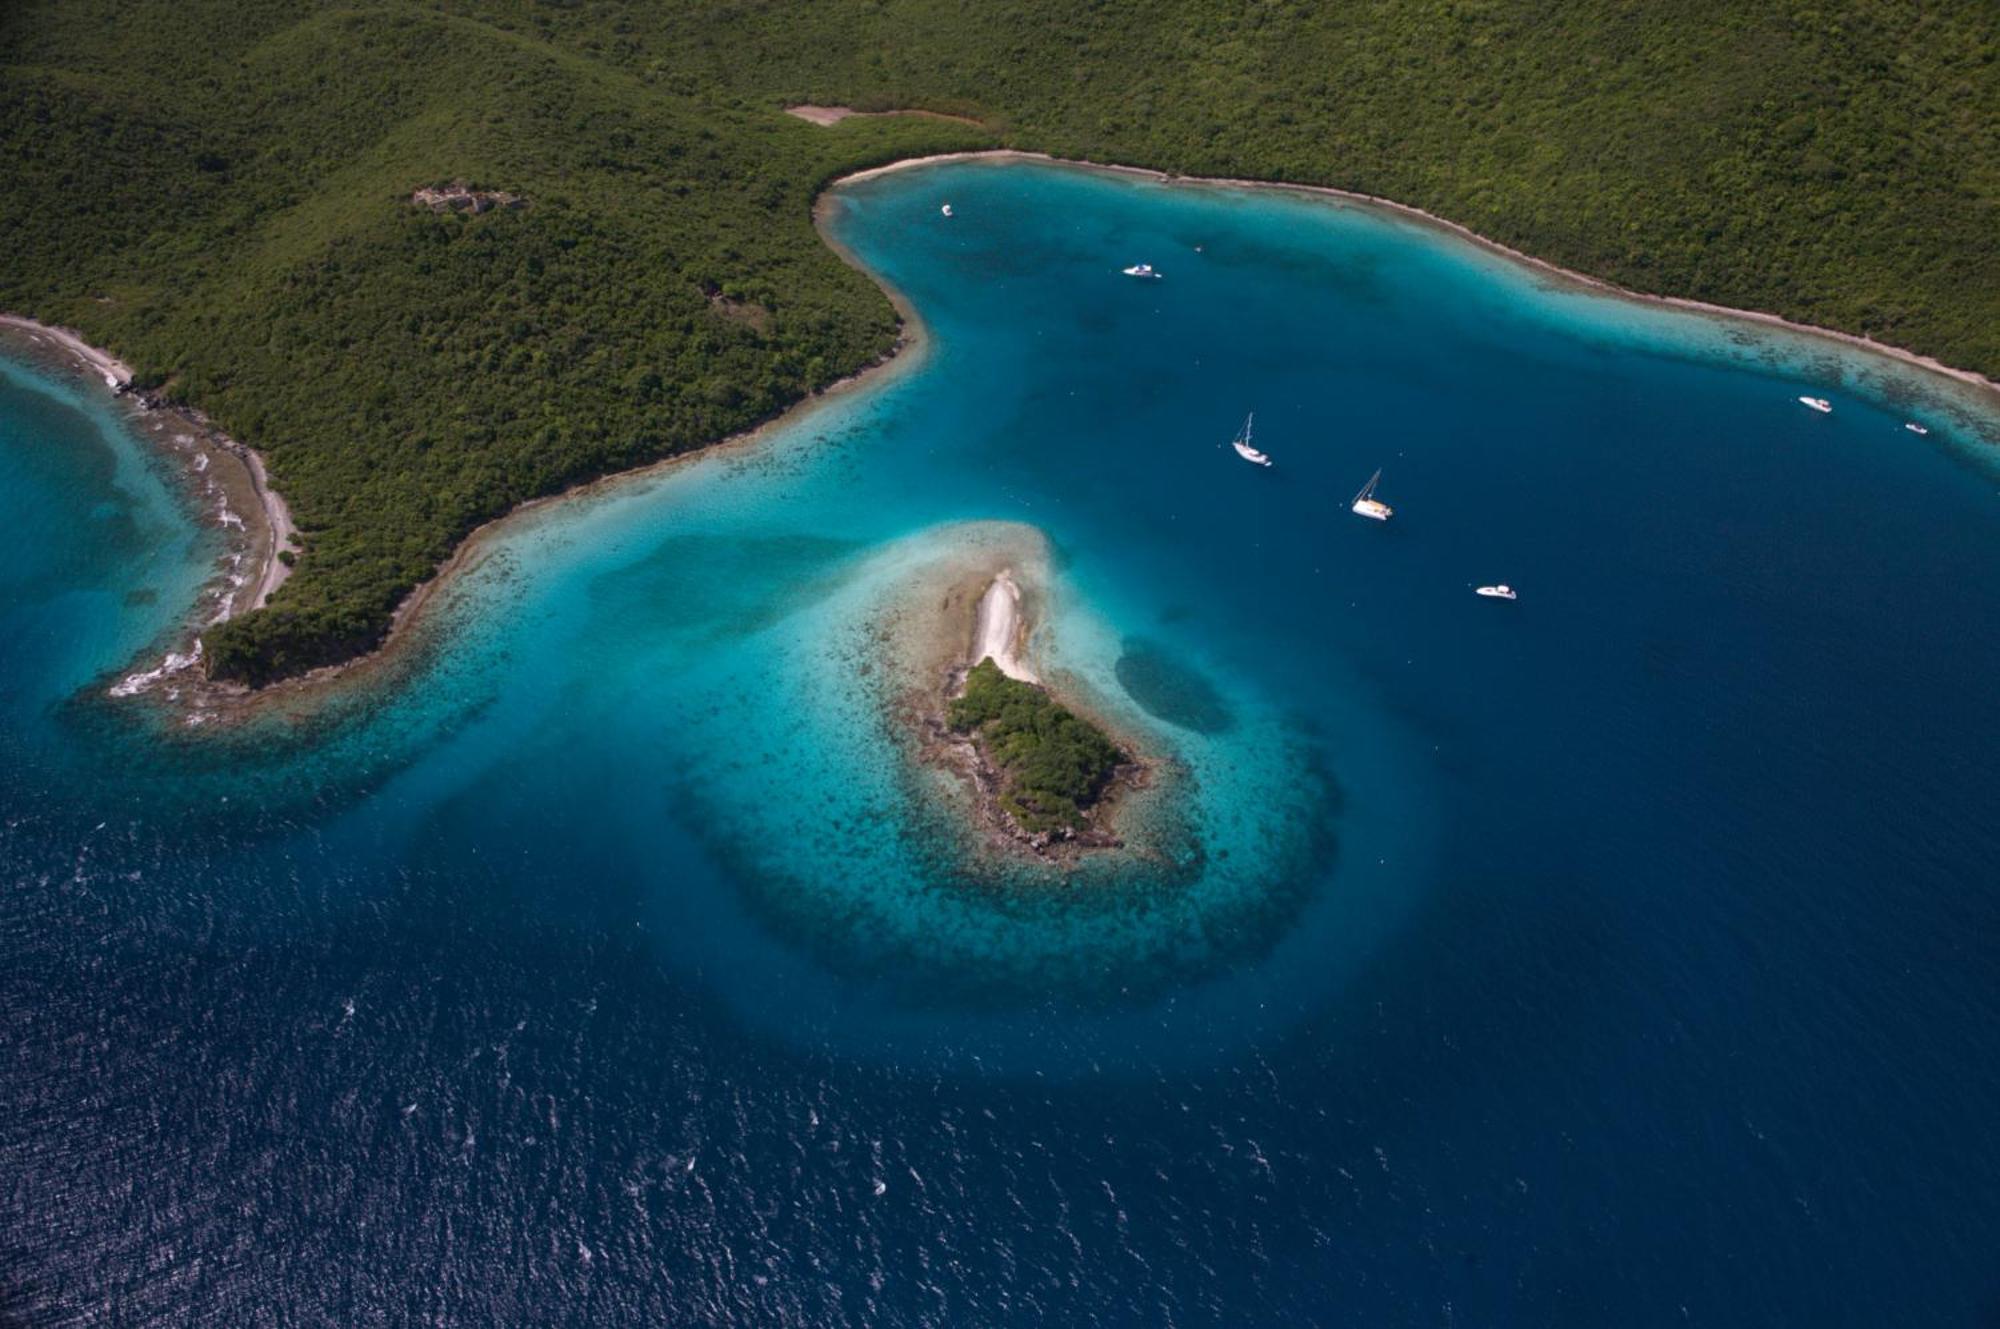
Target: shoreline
277 523
198 700
224 481
235 702
117 375
1596 285
275 530
208 702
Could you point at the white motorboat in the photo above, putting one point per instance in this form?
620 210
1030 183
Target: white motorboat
1915 428
1145 271
1820 404
1501 592
946 209
1365 503
1242 444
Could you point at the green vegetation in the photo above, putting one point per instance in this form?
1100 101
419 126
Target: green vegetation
1053 765
219 191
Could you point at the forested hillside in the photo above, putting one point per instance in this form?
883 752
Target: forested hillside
220 193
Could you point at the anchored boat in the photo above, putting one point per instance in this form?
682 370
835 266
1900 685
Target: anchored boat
1820 404
1242 443
1144 270
1501 592
1367 505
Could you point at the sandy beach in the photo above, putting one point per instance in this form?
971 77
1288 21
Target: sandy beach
1001 632
115 372
277 534
975 592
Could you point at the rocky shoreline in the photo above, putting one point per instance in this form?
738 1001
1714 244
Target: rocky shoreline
966 757
260 525
225 484
261 516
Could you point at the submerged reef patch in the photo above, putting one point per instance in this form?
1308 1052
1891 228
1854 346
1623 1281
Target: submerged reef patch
1170 690
873 859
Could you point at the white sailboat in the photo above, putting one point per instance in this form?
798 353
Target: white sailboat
1915 428
1242 444
1367 505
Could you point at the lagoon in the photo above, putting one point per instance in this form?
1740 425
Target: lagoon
1611 956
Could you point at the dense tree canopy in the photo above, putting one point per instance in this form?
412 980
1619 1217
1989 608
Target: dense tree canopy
220 192
1052 763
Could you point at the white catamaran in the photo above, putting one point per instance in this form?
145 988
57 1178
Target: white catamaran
1367 505
1242 444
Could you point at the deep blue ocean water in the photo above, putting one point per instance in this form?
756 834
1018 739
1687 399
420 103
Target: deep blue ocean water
1625 955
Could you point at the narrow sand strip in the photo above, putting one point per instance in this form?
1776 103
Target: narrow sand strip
115 372
278 528
1001 632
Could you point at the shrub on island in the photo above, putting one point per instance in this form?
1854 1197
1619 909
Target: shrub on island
1053 764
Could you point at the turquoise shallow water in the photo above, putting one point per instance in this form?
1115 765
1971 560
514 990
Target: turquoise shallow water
1622 954
98 555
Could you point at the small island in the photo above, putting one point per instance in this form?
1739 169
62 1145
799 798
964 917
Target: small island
1027 755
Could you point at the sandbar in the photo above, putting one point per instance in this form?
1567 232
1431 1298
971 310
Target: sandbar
1001 632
